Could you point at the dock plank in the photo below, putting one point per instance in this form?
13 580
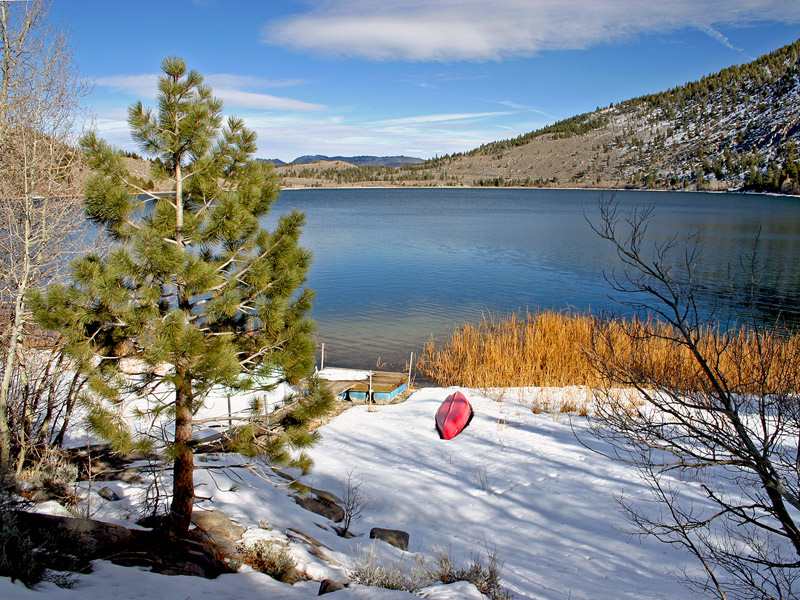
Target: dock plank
382 381
339 387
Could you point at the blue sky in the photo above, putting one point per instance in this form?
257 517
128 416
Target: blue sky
411 77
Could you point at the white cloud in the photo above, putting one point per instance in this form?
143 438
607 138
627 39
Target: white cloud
232 89
717 36
229 80
423 119
292 134
143 86
242 99
451 30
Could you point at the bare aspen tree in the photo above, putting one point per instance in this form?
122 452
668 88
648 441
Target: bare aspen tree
40 176
714 428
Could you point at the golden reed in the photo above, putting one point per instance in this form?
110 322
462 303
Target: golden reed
555 349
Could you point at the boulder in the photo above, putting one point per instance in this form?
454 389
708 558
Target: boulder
224 545
220 531
327 586
183 568
395 537
93 539
321 506
108 494
215 521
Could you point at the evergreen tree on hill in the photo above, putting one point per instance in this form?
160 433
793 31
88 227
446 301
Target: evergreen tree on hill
195 291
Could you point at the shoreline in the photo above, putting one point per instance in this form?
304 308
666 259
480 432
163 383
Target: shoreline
525 187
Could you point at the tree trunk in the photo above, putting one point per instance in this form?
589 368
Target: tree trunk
14 339
183 469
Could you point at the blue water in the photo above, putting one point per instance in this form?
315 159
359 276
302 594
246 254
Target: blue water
392 267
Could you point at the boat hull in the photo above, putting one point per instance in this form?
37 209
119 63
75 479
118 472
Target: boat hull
453 416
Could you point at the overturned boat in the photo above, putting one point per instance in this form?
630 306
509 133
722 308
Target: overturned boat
453 416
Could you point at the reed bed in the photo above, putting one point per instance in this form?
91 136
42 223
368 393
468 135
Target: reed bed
543 349
556 349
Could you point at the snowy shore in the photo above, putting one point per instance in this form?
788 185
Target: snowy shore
528 487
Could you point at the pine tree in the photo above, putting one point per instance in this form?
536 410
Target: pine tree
195 291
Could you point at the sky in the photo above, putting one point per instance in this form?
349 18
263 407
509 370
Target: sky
409 77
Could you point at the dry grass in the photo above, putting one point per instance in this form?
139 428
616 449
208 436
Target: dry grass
544 349
553 349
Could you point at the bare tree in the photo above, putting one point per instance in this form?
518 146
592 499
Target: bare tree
353 503
40 178
715 433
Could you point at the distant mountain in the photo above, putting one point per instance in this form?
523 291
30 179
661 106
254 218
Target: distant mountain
361 161
734 130
275 161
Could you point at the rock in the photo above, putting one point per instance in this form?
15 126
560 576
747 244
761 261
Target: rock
329 585
323 507
328 496
183 568
220 531
108 494
24 486
215 521
93 537
395 537
39 495
70 543
225 545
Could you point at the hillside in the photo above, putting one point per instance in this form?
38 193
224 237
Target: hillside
733 130
361 161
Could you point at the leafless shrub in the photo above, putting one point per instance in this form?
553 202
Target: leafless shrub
353 503
42 395
727 428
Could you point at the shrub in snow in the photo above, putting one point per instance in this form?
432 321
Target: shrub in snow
394 576
270 557
484 577
391 576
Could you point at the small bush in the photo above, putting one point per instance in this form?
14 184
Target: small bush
271 558
391 576
55 475
484 577
395 576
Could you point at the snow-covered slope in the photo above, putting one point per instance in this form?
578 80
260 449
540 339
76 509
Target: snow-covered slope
518 484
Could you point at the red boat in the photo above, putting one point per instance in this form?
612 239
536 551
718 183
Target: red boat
453 415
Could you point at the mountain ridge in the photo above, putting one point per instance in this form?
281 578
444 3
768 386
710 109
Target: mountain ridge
734 130
363 160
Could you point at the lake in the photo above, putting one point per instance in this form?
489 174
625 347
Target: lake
394 266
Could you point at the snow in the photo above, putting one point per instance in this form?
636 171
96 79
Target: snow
343 374
222 406
530 488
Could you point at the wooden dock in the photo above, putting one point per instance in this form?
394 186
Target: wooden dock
385 385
